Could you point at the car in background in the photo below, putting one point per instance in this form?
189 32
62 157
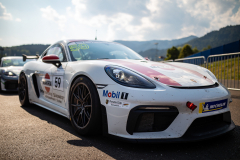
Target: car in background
9 71
105 87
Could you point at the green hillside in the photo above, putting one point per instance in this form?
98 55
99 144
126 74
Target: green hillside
217 38
31 49
214 39
142 46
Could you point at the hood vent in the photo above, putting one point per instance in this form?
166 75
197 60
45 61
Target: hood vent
196 87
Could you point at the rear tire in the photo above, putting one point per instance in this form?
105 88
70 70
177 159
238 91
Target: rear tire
84 107
23 90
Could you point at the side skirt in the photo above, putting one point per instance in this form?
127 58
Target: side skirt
50 109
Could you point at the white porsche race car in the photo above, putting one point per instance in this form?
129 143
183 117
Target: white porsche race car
105 87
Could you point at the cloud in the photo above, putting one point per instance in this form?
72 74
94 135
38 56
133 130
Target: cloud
206 15
50 14
4 14
236 18
121 19
145 19
18 20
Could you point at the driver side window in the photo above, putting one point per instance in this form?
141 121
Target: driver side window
58 51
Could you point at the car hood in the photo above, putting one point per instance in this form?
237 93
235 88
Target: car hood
15 69
172 73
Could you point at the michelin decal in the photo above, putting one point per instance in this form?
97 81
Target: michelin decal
212 106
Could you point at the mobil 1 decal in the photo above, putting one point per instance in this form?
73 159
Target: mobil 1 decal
58 83
115 94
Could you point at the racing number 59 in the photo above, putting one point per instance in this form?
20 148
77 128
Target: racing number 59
57 82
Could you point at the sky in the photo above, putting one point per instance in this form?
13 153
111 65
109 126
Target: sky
48 21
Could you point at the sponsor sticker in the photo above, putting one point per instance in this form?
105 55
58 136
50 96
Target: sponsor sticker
115 94
205 107
52 96
47 83
77 47
116 103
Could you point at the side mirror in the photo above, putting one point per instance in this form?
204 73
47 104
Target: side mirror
53 59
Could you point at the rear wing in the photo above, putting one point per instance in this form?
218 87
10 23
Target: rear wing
29 57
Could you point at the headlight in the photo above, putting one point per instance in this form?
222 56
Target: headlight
8 73
127 78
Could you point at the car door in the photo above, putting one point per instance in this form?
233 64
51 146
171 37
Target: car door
51 78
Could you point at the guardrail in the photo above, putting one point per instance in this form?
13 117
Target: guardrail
169 60
226 69
199 60
224 66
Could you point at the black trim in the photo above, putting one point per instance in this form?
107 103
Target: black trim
208 125
101 86
176 140
196 87
104 120
135 115
34 78
11 85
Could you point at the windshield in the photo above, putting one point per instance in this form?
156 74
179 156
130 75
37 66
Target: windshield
14 62
100 50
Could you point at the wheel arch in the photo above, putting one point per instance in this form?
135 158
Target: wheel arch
71 84
103 115
22 71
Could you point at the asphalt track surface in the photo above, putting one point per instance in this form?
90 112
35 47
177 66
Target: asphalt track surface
36 133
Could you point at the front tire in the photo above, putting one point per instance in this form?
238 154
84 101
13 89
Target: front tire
23 90
84 107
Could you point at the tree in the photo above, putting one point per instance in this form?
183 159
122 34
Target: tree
195 50
179 48
172 53
206 48
186 51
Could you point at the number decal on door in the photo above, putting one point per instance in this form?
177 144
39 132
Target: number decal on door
58 83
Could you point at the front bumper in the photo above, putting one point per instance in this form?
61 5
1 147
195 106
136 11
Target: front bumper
187 137
9 84
121 122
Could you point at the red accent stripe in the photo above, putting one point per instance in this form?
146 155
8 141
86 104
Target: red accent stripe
50 57
147 71
47 89
193 72
47 76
